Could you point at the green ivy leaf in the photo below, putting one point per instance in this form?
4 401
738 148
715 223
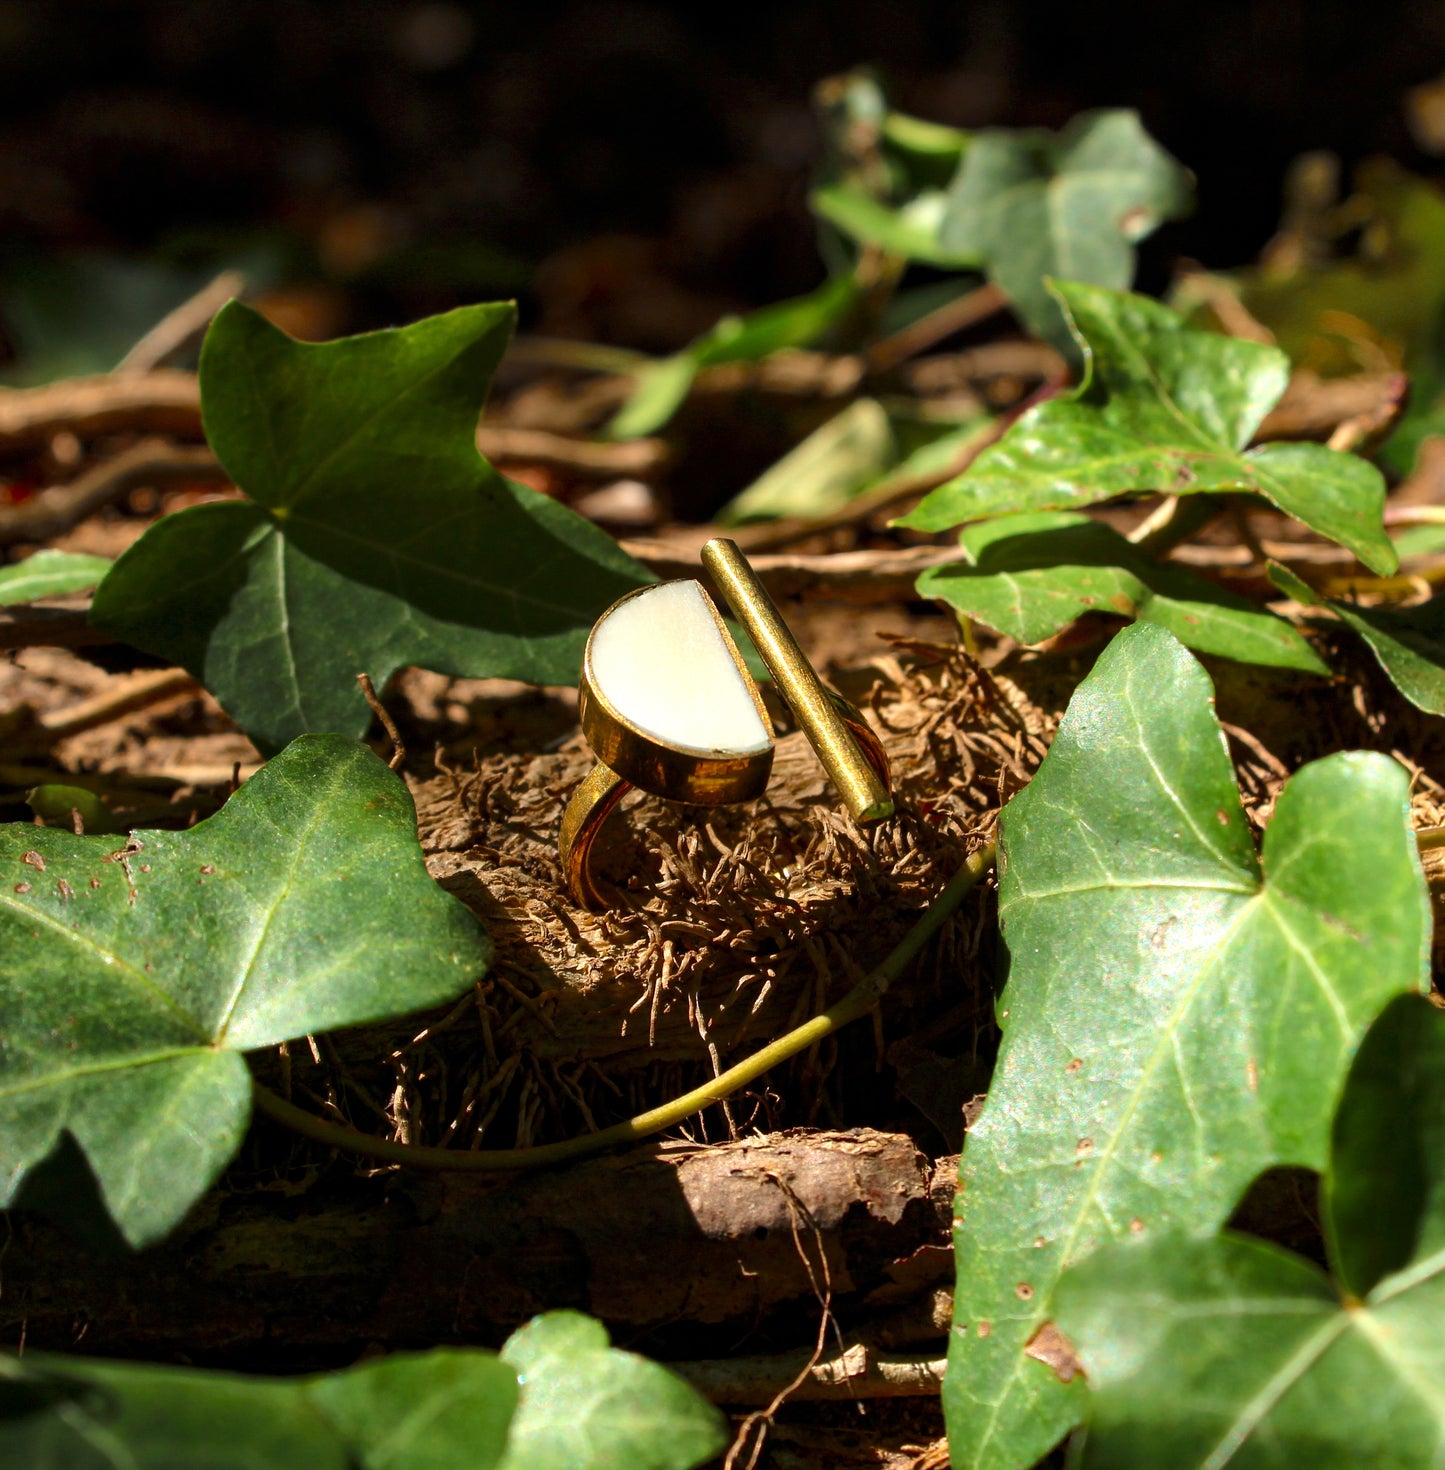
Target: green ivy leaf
588 1406
911 229
662 386
50 574
1409 642
375 535
132 981
1032 204
1167 408
835 462
1179 1011
1205 1353
443 1410
582 1406
1031 575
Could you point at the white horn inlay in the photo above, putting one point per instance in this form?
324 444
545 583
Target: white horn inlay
660 661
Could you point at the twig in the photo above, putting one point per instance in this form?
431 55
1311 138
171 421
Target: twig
181 326
1176 519
398 748
858 1003
57 626
588 357
634 458
848 576
151 462
1317 408
123 698
957 316
162 402
858 1372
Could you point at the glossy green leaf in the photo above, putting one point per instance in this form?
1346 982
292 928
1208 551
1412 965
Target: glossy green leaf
50 574
1231 1352
1409 642
1031 204
1167 408
132 980
1031 575
375 535
662 386
1179 1012
834 463
443 1410
589 1406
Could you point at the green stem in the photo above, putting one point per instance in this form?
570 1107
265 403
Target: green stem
859 1001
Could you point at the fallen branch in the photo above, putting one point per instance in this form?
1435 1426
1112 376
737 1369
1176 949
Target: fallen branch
166 401
406 1259
154 462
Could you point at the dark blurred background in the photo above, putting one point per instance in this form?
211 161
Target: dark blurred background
630 169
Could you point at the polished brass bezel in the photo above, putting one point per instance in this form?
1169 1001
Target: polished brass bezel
676 772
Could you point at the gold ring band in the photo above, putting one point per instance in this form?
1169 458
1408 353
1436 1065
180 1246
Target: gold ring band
629 755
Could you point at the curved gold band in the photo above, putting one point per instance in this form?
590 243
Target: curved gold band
597 796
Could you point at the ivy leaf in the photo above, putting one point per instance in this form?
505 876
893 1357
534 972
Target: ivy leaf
1231 1351
50 574
1409 642
451 1409
588 1406
375 535
132 981
1031 575
1032 204
1179 1011
1163 407
912 228
443 1410
833 464
662 386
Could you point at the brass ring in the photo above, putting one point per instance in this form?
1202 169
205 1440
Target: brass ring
631 753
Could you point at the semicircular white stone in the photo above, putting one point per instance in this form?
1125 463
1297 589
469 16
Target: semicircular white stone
661 661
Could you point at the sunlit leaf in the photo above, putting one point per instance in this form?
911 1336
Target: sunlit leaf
588 1406
662 386
375 535
133 978
1163 407
1031 575
1207 1353
825 471
50 574
1179 1014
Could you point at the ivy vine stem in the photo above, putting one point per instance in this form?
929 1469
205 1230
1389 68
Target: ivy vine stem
858 1002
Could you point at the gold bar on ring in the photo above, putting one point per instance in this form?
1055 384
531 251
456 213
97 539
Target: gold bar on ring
858 783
